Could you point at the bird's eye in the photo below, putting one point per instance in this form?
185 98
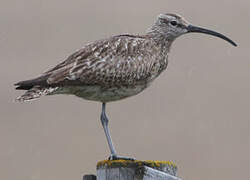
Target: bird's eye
173 23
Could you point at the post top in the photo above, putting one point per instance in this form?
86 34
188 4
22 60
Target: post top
135 163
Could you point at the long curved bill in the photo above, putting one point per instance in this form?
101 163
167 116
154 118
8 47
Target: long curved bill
196 29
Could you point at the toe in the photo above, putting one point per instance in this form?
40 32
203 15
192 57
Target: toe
115 157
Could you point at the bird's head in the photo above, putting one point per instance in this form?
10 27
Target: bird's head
171 26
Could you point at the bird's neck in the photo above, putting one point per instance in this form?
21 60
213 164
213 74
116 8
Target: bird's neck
161 40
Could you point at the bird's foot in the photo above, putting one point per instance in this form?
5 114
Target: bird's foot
115 157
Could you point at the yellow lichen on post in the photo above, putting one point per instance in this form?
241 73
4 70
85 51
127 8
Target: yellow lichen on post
128 169
135 163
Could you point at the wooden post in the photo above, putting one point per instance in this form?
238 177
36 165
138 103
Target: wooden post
136 170
89 177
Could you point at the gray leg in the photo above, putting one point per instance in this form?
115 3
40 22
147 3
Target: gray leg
104 120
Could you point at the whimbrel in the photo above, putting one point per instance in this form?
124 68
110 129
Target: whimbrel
114 68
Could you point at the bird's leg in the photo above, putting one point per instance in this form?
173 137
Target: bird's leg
104 120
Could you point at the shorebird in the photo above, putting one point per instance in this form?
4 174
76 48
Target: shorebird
114 68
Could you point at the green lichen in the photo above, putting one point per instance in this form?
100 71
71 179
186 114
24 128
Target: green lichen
130 163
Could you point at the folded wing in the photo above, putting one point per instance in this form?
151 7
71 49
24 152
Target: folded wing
119 60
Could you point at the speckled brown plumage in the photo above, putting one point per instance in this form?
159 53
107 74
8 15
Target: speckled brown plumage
123 62
119 60
116 67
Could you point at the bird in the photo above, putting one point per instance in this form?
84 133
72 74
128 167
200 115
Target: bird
114 68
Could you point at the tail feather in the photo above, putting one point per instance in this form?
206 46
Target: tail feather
35 92
29 84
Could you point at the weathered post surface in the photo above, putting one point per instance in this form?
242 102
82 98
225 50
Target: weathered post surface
136 170
89 177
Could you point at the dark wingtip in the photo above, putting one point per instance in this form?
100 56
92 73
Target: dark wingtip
22 85
17 84
28 84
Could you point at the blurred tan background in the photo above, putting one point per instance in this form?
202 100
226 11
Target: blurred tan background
196 114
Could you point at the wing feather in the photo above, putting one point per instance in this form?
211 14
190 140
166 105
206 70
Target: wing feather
119 60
